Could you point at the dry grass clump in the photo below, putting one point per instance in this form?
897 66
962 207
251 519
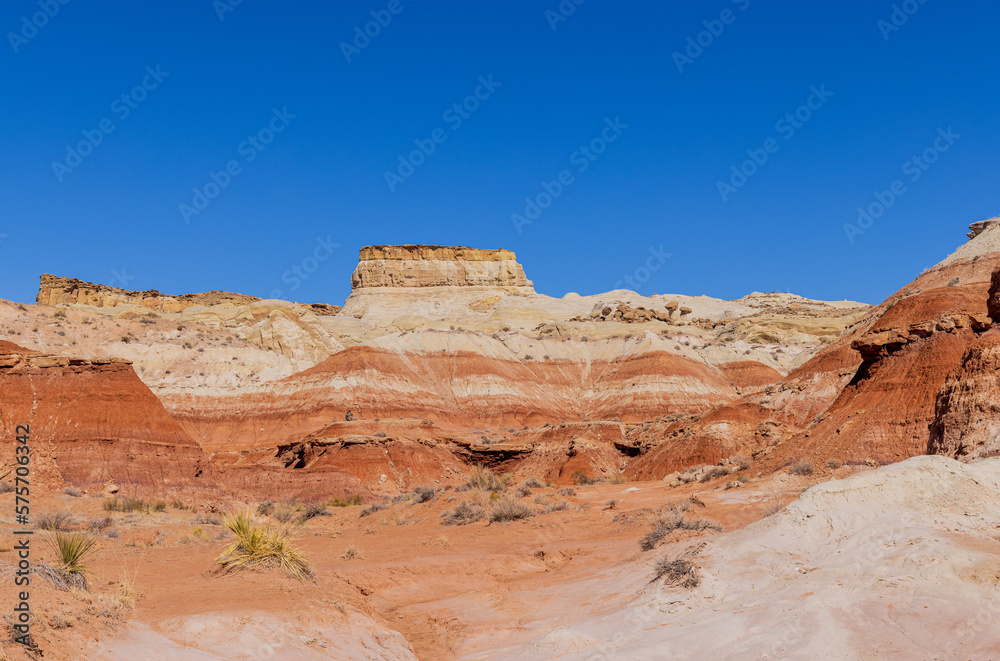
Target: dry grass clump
772 507
509 509
834 464
803 468
266 508
261 546
73 492
556 507
208 519
483 479
349 501
678 572
673 519
463 514
582 479
567 491
522 491
55 521
534 483
117 504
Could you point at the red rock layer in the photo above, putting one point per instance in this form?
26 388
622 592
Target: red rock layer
458 390
94 423
870 397
749 374
455 394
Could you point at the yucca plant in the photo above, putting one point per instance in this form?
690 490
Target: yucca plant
261 545
72 549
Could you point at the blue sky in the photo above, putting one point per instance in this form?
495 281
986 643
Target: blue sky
267 90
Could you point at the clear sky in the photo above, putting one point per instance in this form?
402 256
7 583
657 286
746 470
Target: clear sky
622 120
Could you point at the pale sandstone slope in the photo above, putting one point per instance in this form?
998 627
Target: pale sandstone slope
895 564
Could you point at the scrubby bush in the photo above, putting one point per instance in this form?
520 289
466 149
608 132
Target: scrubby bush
581 479
464 513
556 507
55 521
834 464
265 509
803 468
117 504
424 494
677 571
716 472
311 511
483 479
261 545
522 491
534 483
567 491
349 501
772 507
208 519
673 519
284 512
73 492
353 553
6 487
100 525
509 509
374 507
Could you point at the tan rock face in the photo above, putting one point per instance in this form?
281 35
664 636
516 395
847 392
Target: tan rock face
437 266
54 290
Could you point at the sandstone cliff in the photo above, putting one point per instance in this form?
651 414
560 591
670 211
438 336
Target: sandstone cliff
437 266
54 290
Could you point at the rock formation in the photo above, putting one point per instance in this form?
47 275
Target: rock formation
54 290
92 422
437 266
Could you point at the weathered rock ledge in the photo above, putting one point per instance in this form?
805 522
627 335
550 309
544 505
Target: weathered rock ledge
437 266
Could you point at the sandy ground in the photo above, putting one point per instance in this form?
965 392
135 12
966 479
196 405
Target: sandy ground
895 563
440 591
